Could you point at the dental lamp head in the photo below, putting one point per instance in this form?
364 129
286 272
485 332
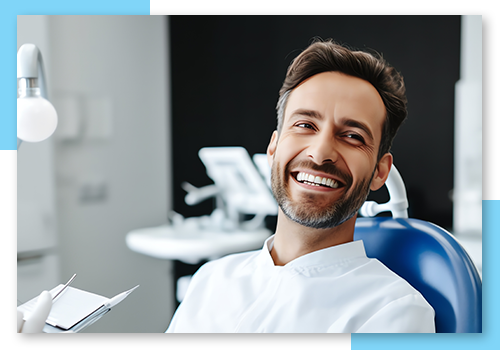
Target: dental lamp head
36 117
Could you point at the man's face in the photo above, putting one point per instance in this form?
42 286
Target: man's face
324 161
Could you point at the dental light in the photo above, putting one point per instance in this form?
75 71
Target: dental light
36 117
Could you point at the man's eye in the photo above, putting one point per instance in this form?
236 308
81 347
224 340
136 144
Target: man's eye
356 137
305 125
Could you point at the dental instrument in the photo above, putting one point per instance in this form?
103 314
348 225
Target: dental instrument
64 288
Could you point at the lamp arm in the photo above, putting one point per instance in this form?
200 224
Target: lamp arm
41 77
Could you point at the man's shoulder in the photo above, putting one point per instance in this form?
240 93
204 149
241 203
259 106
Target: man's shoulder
376 272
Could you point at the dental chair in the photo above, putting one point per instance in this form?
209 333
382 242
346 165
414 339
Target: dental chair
426 256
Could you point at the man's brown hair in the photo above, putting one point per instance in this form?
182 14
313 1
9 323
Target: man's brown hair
328 56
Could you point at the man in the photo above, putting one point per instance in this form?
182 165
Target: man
338 112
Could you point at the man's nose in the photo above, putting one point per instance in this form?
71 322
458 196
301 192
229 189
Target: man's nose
323 150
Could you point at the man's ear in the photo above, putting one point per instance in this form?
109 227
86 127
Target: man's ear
381 172
271 148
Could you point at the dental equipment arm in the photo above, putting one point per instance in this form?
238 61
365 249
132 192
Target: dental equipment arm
196 195
398 203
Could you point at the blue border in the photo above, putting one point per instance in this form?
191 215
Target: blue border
489 339
8 43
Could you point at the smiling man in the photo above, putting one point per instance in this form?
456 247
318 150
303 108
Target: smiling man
324 161
338 113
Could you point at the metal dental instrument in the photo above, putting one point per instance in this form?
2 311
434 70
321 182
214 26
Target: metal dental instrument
64 287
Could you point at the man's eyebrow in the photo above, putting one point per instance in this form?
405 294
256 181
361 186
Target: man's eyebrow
306 112
357 124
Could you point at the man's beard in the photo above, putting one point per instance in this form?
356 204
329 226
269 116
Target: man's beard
305 211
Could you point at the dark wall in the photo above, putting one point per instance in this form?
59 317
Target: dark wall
227 71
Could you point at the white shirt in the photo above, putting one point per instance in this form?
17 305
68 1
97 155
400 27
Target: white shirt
337 289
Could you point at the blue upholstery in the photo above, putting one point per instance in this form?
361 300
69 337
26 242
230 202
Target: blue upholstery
433 262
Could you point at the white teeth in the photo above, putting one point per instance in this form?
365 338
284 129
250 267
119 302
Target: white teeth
317 180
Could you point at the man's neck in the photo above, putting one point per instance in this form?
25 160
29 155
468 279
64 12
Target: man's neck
293 240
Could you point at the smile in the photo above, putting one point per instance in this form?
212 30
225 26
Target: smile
313 180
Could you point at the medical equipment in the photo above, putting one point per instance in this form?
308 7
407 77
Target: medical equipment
64 287
398 203
34 321
36 117
239 187
426 256
240 191
76 310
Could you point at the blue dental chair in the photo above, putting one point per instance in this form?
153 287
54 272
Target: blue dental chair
426 256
